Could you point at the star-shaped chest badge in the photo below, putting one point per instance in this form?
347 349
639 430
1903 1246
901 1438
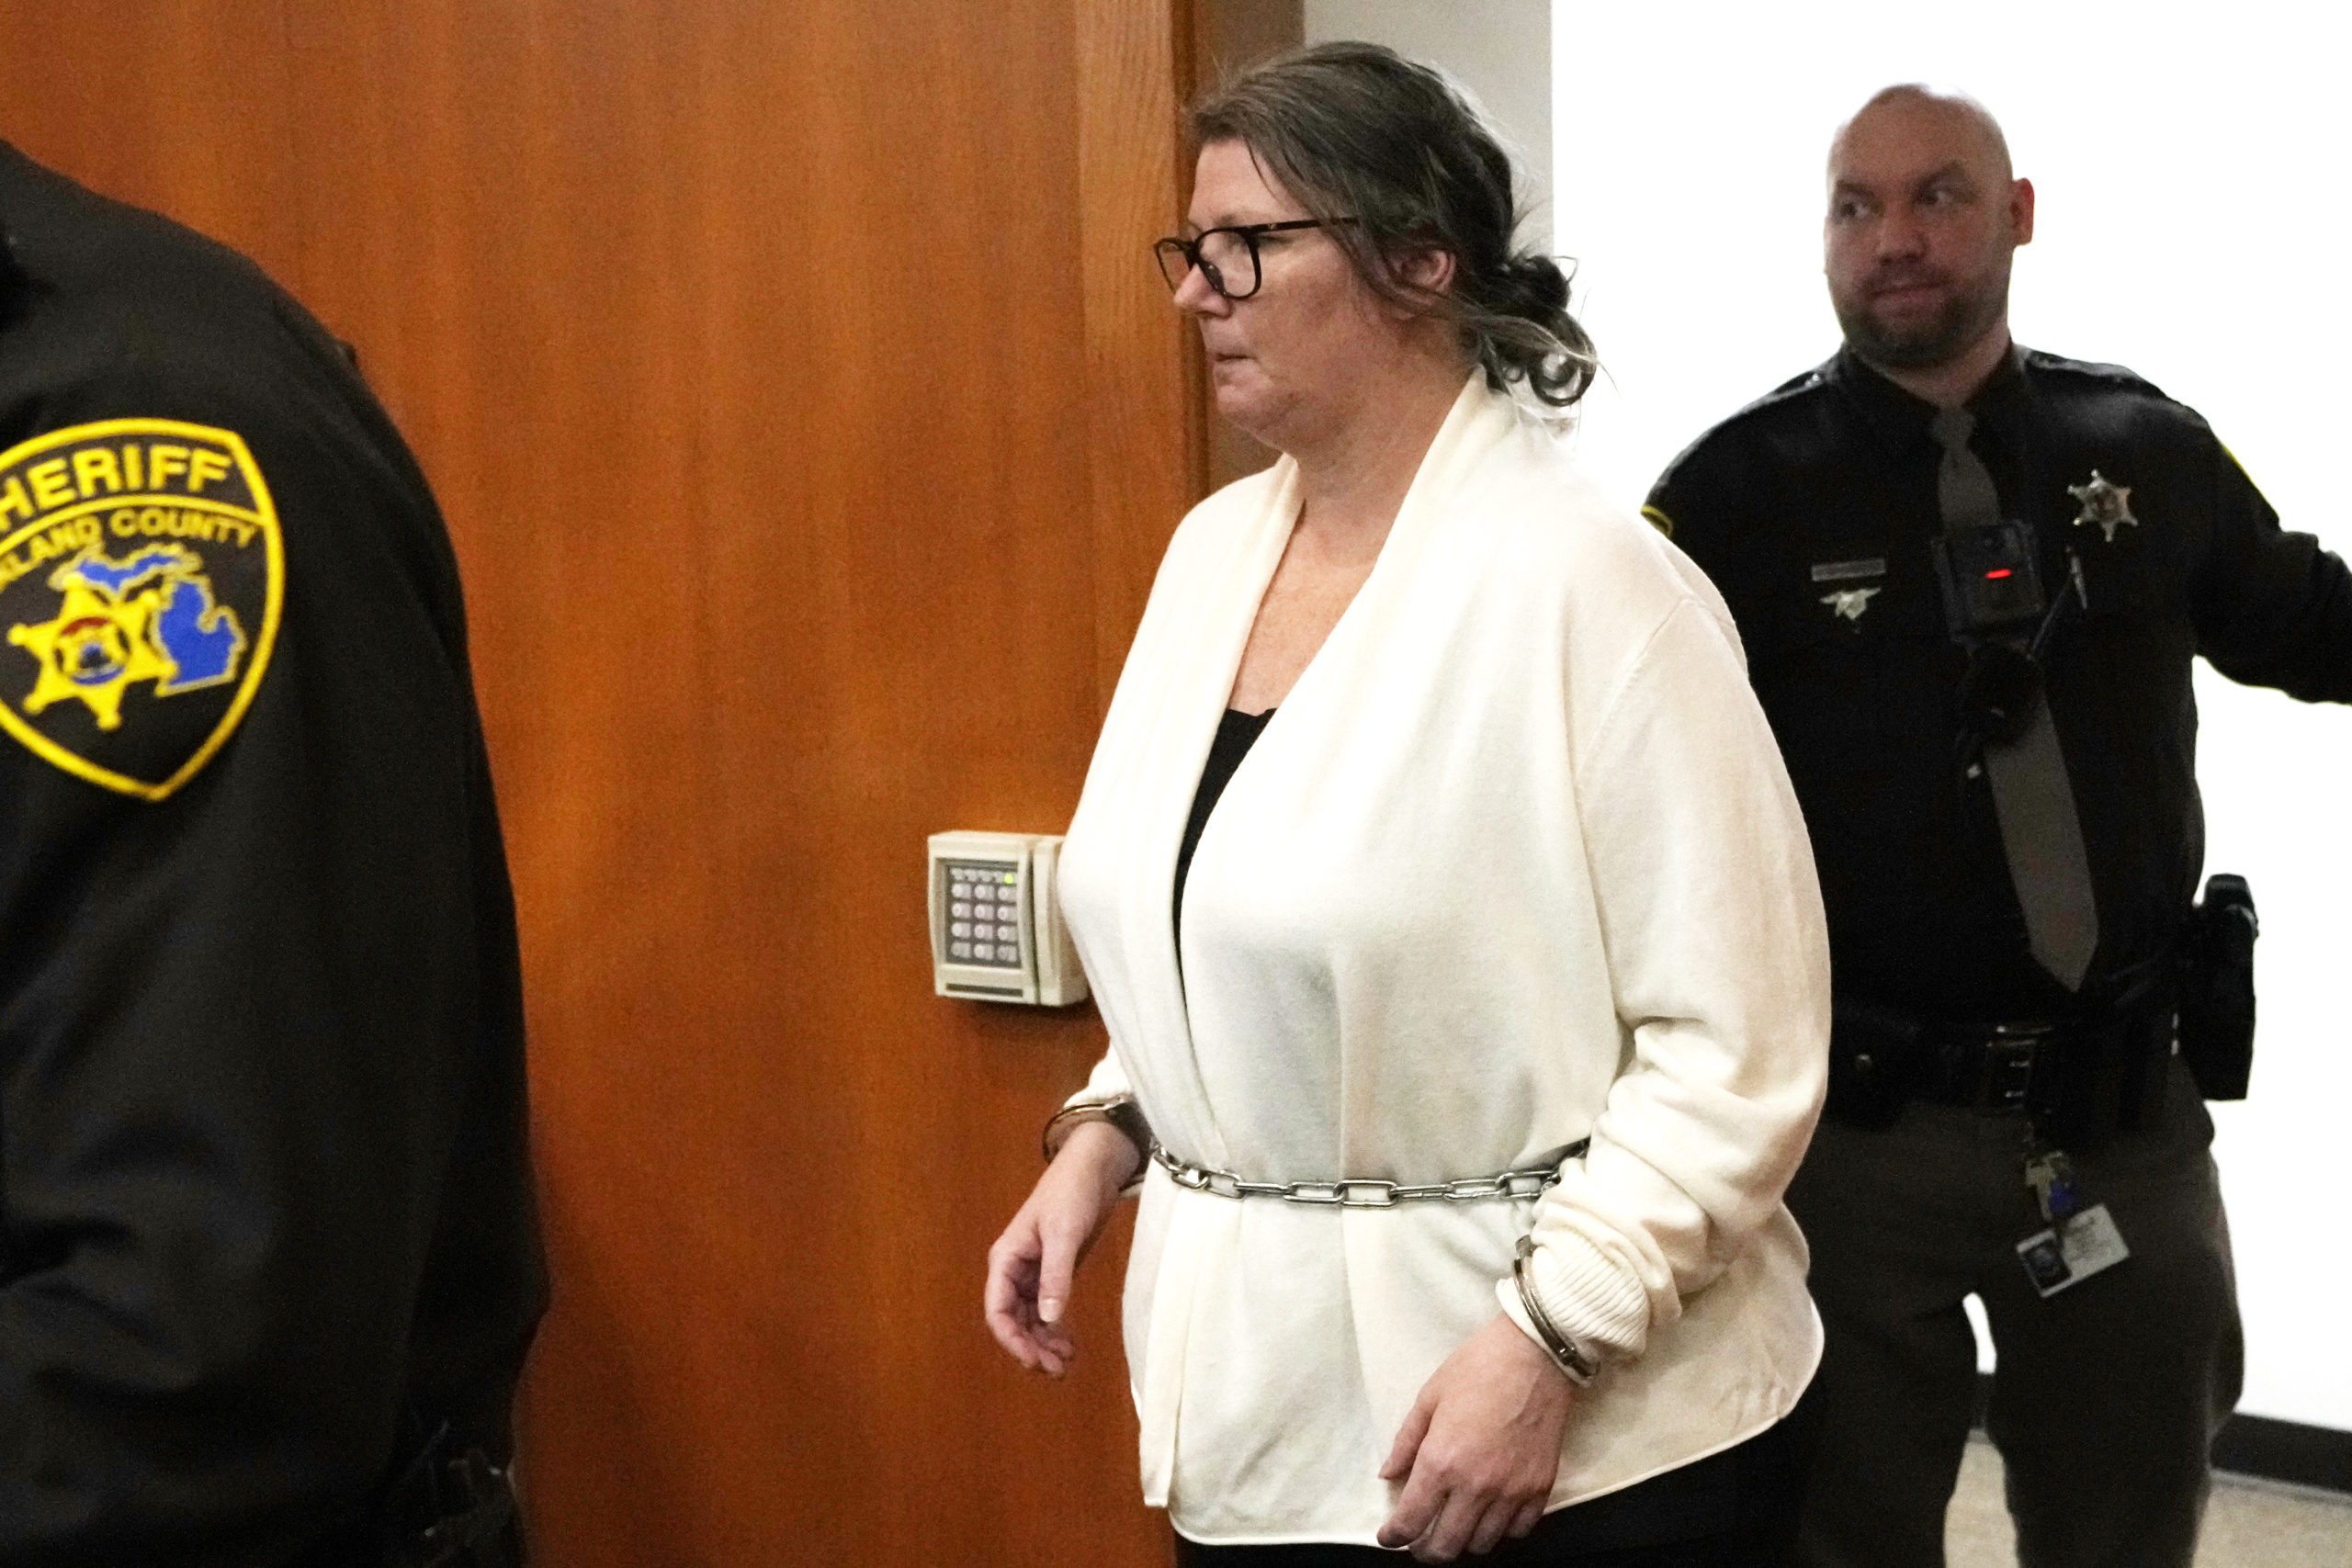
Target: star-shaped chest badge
2104 502
1849 603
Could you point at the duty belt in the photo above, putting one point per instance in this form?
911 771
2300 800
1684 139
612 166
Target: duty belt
2079 1078
1367 1193
1993 1069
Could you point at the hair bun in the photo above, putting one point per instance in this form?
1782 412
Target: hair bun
1538 280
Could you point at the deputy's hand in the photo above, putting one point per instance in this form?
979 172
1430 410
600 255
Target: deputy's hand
1481 1449
1031 1266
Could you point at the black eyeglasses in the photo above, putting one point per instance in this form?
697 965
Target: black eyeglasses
1227 257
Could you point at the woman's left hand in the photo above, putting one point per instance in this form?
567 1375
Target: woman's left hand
1481 1449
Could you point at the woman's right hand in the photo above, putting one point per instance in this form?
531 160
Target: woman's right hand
1032 1264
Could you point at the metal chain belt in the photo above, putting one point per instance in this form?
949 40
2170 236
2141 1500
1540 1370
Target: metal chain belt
1361 1192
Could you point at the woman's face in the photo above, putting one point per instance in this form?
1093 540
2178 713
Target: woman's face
1291 362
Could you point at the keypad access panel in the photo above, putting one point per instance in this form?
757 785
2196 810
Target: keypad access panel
983 913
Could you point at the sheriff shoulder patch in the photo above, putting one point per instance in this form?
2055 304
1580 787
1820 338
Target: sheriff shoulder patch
141 575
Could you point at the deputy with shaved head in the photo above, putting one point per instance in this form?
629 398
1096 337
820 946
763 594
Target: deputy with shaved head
1972 579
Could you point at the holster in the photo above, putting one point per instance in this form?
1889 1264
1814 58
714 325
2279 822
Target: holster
2217 988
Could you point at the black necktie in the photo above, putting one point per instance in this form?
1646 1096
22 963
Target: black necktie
2041 834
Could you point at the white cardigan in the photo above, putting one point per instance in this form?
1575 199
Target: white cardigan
1516 862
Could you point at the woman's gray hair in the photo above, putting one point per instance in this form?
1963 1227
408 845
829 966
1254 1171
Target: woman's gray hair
1357 131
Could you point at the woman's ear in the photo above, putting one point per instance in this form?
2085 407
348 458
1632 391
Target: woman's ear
1427 271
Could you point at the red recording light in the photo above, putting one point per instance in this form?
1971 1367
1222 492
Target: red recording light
1992 575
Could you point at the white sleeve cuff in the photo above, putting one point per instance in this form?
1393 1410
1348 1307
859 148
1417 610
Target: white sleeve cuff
1591 1299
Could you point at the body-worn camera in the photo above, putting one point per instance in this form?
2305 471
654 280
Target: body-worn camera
1991 581
1995 607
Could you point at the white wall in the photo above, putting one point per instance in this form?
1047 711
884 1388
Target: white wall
2190 227
1499 50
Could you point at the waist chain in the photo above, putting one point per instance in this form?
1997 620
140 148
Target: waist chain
1368 1193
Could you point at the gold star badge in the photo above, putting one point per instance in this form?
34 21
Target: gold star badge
2104 502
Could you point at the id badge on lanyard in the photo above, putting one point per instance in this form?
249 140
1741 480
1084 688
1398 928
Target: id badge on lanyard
2079 1241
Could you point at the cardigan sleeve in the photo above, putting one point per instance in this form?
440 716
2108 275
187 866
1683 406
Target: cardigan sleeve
1106 1083
1718 959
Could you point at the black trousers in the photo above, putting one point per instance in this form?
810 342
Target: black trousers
1735 1509
2107 1395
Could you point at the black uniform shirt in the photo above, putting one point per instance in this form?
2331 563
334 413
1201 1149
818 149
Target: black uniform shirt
262 1180
1813 511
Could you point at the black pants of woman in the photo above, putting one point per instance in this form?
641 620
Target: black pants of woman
1735 1509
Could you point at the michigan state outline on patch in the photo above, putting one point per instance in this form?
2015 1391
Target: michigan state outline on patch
141 574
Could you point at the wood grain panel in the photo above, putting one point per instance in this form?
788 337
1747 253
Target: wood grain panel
1227 38
1230 36
808 419
179 105
1134 76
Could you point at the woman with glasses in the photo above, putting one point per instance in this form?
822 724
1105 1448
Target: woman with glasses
1450 912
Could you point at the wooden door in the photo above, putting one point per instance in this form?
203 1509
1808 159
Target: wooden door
810 418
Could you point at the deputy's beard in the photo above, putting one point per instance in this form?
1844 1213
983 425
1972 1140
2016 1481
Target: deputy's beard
1923 345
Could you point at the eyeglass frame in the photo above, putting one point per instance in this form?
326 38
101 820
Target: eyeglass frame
1249 232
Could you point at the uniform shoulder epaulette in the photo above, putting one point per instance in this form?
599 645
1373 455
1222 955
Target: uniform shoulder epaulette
1788 393
2114 377
1795 387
